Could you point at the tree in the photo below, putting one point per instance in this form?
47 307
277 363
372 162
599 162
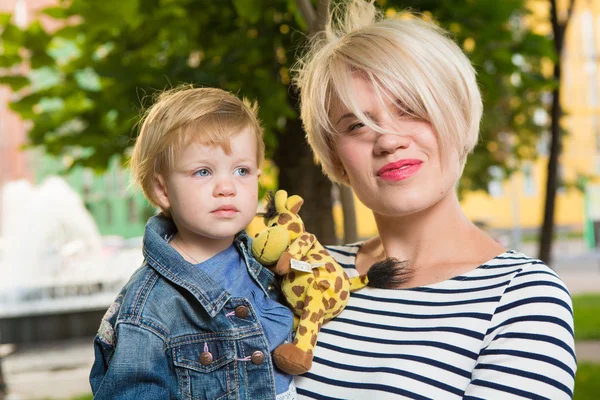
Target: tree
97 74
88 78
547 231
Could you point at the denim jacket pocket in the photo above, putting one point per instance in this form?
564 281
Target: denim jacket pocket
206 369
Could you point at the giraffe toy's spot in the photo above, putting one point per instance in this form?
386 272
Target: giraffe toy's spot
291 276
284 219
314 317
339 284
307 301
298 290
324 284
305 313
294 227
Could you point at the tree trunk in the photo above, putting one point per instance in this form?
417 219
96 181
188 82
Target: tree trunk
547 231
298 174
349 213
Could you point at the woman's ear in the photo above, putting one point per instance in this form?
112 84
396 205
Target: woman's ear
160 192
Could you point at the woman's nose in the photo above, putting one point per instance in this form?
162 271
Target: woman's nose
388 143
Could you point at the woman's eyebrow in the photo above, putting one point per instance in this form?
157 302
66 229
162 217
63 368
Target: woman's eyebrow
351 115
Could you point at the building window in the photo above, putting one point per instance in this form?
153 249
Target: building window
495 186
528 181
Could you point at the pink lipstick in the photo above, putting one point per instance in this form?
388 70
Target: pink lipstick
399 170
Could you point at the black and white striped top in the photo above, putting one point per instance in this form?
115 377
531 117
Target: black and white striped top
503 330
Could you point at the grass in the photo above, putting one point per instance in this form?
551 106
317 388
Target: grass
587 382
587 316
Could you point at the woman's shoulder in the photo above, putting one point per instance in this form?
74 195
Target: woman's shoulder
533 290
529 271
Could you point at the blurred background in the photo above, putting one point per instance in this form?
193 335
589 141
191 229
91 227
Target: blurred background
76 74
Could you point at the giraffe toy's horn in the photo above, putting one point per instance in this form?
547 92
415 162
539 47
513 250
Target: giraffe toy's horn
280 199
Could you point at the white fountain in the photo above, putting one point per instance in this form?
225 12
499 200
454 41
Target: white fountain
52 258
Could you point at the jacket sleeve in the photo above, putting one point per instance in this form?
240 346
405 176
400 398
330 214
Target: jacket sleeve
135 367
529 349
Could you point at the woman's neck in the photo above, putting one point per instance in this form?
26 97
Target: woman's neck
439 242
413 237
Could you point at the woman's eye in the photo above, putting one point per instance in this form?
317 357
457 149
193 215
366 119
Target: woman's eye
356 126
242 171
202 172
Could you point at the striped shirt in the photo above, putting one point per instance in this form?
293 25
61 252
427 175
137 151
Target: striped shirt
503 330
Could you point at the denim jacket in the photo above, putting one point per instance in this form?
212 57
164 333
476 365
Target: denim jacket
174 333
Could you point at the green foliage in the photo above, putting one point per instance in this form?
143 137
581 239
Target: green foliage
110 57
587 316
107 70
587 382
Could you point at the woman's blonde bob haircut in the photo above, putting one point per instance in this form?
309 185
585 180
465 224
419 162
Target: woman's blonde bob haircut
184 115
411 61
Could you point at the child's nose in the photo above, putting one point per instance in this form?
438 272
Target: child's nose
224 187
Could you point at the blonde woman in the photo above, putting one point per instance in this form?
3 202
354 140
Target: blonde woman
391 108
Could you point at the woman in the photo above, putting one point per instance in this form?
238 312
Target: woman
391 108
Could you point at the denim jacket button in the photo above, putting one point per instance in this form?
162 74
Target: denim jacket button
206 358
241 312
270 288
257 357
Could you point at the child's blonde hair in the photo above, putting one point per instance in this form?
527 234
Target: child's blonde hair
405 58
183 115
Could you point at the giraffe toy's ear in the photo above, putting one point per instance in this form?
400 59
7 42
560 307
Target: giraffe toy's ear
280 199
294 203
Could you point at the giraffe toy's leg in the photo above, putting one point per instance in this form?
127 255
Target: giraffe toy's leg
296 358
296 250
358 282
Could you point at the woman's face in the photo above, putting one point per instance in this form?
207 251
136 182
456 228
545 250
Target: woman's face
394 174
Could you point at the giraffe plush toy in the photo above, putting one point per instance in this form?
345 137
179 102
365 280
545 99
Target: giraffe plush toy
313 283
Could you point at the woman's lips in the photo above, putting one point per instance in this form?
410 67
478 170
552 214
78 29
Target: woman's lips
399 170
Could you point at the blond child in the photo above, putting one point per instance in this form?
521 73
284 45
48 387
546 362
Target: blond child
200 318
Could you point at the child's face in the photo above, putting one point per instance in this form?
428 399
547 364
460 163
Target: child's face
211 194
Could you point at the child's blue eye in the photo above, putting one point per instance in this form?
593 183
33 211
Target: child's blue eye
202 172
242 171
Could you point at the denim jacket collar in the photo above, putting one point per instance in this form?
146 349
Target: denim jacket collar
173 267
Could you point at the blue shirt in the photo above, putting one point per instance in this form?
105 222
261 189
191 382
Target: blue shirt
229 269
